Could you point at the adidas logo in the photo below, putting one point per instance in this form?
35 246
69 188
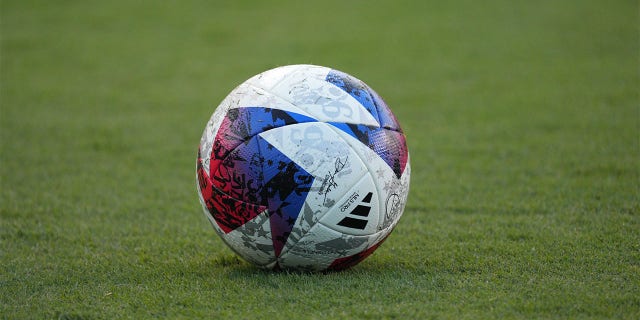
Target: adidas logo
361 210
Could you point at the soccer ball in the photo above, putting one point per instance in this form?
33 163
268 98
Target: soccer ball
303 167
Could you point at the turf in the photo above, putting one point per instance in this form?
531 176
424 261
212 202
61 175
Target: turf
522 119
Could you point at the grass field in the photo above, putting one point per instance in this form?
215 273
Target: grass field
522 118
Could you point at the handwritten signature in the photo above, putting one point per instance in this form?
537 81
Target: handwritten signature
329 181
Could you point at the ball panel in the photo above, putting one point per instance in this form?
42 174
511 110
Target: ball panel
308 89
367 97
239 172
320 247
252 241
286 185
307 219
358 212
387 119
355 88
229 213
391 147
350 261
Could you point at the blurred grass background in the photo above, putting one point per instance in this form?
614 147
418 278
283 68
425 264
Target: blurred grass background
522 120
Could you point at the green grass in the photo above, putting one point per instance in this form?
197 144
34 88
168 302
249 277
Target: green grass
522 119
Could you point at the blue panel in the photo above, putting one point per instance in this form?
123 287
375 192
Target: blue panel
355 88
248 121
286 185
